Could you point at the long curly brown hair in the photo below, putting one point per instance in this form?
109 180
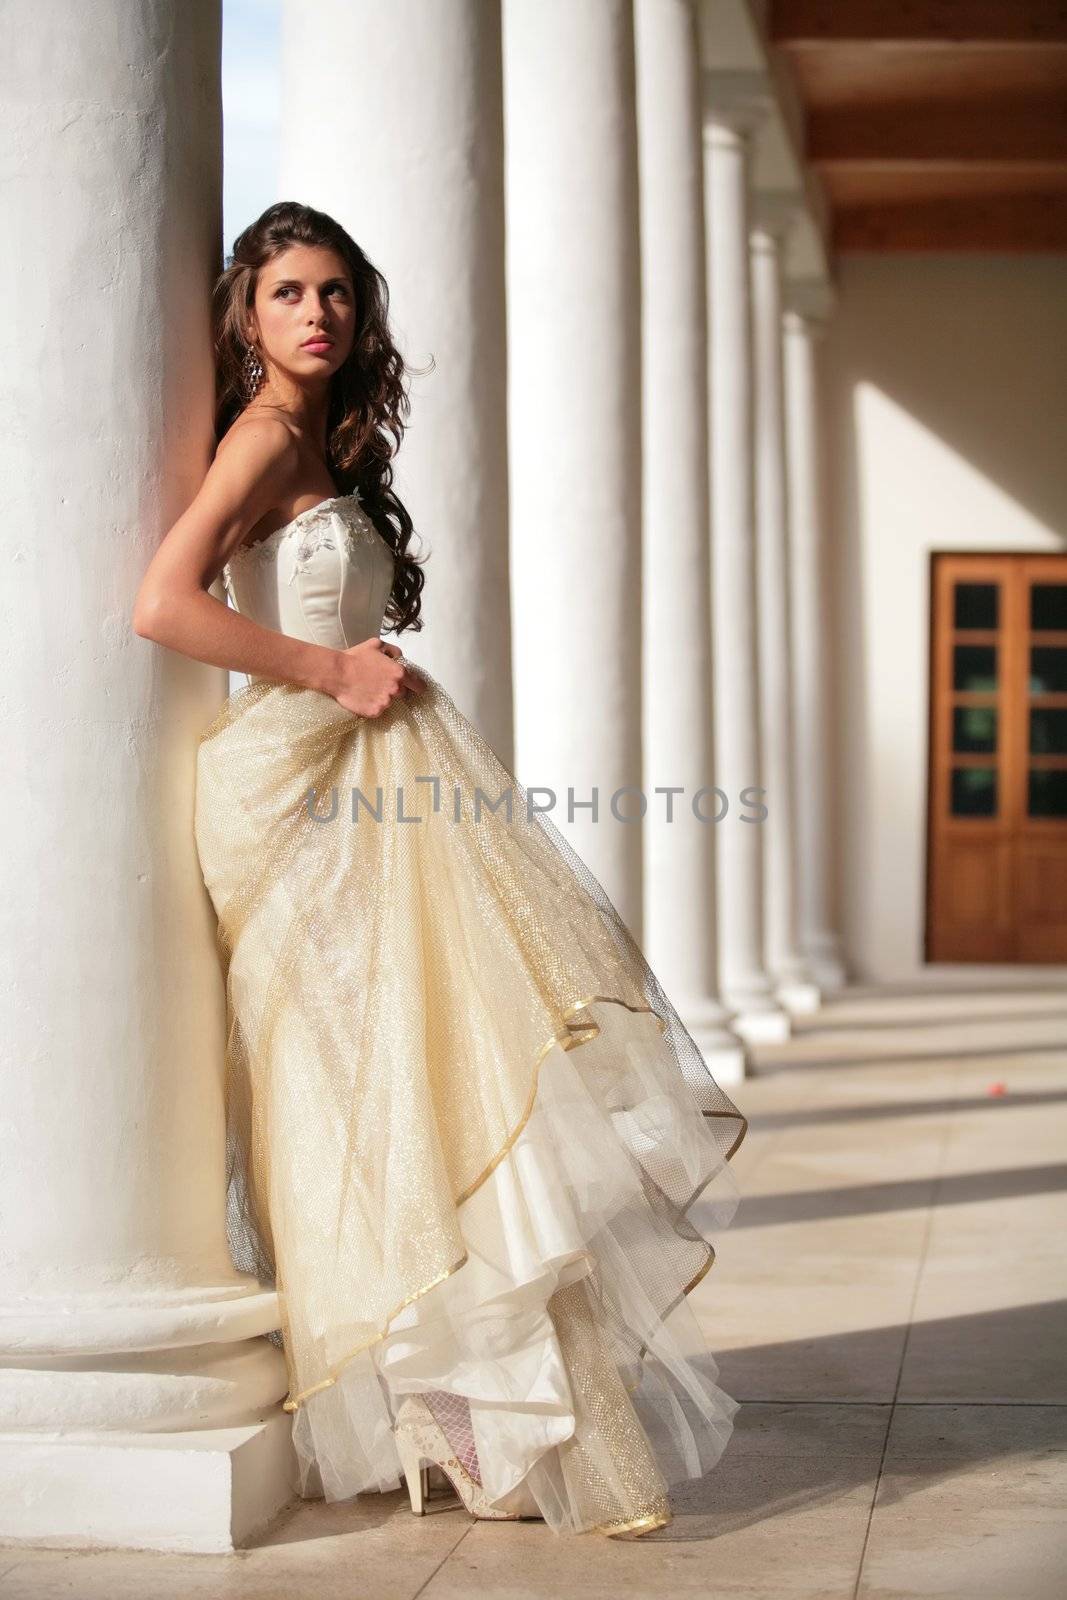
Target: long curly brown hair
368 404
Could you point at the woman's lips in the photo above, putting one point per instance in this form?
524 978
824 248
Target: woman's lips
318 347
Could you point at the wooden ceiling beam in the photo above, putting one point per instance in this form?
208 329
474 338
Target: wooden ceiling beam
957 22
1010 130
1014 224
850 74
903 182
934 124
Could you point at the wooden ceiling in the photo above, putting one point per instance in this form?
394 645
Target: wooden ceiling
934 124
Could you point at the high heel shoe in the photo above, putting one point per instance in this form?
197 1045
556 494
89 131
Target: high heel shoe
420 1438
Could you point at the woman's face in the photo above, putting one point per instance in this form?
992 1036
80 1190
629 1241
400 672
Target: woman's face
306 294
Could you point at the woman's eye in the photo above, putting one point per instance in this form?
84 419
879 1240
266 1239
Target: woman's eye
338 288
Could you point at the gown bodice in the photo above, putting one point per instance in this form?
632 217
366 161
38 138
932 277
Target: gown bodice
326 576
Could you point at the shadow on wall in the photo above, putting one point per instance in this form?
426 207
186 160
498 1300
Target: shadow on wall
975 349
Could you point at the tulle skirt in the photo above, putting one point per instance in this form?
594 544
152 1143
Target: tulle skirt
469 1139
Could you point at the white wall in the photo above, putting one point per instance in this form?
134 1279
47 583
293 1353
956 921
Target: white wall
944 396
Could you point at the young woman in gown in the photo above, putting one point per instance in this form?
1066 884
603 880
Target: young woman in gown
469 1138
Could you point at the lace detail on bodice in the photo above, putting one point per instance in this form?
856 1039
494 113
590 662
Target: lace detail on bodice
315 529
325 576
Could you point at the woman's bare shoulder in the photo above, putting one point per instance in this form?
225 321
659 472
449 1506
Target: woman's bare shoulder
255 465
258 438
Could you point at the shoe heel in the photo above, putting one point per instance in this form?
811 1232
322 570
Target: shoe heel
416 1476
419 1437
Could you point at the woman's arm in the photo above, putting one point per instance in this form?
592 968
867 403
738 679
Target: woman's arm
256 467
252 472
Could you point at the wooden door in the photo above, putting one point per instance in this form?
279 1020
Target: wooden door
997 836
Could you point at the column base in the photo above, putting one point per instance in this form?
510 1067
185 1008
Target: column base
707 1021
829 973
207 1491
723 1052
798 997
761 1024
726 1060
823 962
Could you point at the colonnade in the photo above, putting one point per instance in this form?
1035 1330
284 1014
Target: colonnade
615 464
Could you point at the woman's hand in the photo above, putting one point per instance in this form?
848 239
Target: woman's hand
371 675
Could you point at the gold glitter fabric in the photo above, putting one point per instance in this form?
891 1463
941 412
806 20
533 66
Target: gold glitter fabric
469 1138
607 1467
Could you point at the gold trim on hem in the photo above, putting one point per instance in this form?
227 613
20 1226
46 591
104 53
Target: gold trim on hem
645 1524
567 1041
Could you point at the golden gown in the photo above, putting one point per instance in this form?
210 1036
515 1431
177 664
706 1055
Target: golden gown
469 1138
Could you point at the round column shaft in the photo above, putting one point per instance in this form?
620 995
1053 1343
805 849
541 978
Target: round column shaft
574 419
679 928
746 987
794 988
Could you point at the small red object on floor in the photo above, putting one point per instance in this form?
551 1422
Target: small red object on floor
997 1088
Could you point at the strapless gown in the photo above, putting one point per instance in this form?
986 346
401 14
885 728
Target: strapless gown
470 1140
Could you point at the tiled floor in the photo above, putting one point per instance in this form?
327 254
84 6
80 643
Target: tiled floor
891 1307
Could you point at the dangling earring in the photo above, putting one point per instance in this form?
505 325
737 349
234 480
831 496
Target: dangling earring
251 372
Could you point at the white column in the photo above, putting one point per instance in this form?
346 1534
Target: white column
679 878
574 419
810 606
746 988
794 988
138 1404
392 121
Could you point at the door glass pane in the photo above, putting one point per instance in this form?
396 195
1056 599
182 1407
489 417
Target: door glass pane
1048 669
975 605
1048 731
974 792
1048 793
1048 605
974 666
974 728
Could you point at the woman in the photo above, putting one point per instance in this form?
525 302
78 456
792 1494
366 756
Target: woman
470 1140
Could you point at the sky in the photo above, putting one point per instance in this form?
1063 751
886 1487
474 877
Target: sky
251 98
